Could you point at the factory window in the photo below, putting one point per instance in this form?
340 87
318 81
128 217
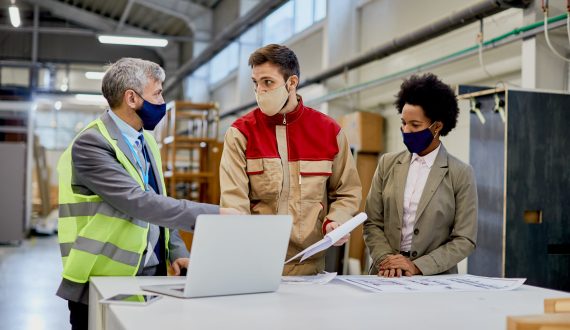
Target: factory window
56 129
278 26
291 18
224 62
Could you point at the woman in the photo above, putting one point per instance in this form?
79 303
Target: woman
422 205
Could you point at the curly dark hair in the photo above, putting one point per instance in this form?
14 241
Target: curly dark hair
435 97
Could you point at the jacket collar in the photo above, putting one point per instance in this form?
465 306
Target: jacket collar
115 134
440 159
435 176
289 117
429 159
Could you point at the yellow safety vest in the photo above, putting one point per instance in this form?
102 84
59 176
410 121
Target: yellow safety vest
96 239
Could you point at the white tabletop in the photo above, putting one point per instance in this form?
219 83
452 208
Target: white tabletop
332 306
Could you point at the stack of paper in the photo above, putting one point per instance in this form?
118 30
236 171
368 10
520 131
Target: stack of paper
441 283
331 237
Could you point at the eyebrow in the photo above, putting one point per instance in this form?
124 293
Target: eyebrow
412 121
263 78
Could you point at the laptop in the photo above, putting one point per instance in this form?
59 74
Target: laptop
233 255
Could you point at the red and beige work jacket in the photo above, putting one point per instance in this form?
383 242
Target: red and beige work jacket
299 164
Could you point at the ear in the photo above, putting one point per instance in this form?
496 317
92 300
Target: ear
438 127
293 82
130 99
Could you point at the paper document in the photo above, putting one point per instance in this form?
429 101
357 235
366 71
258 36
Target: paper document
315 279
331 237
441 283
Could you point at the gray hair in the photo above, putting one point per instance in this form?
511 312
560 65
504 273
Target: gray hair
128 73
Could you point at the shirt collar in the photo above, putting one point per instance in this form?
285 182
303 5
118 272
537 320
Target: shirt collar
429 159
127 130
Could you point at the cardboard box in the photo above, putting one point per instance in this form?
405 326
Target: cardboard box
366 164
365 131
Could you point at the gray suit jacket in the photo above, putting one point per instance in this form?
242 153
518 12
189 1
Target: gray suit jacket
445 231
96 170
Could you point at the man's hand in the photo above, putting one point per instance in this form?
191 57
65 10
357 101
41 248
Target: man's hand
396 266
330 227
229 211
174 269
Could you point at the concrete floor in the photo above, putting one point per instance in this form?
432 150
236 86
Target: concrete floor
29 277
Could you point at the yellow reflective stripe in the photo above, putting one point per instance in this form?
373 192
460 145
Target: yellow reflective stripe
81 265
106 249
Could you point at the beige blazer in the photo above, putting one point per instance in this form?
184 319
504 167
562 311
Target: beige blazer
445 231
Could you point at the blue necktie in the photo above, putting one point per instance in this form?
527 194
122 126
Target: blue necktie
158 247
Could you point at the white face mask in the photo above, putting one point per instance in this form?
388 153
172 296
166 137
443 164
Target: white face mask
271 102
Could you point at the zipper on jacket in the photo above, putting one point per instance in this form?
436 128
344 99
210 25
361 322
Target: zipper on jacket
284 119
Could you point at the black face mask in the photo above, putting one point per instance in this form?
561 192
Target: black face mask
417 142
151 114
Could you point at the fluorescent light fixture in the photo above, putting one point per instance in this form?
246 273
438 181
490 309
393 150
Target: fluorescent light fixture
14 16
94 75
90 98
133 41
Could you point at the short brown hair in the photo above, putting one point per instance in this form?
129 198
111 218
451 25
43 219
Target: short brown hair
279 55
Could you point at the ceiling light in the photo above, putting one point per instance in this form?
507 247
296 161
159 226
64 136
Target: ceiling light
133 41
94 75
14 16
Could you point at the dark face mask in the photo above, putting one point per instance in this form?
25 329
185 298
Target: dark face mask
151 114
417 142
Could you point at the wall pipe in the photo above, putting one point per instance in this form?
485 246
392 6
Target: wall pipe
502 40
454 21
231 32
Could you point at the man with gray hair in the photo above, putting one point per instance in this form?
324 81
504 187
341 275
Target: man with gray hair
114 216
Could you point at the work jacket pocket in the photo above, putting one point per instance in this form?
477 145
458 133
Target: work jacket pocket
313 179
265 178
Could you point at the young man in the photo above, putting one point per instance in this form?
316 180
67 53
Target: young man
286 158
114 214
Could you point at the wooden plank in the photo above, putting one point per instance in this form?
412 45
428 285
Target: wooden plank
539 322
557 305
188 175
481 93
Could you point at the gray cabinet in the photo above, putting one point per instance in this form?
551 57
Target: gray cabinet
12 190
16 141
522 167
